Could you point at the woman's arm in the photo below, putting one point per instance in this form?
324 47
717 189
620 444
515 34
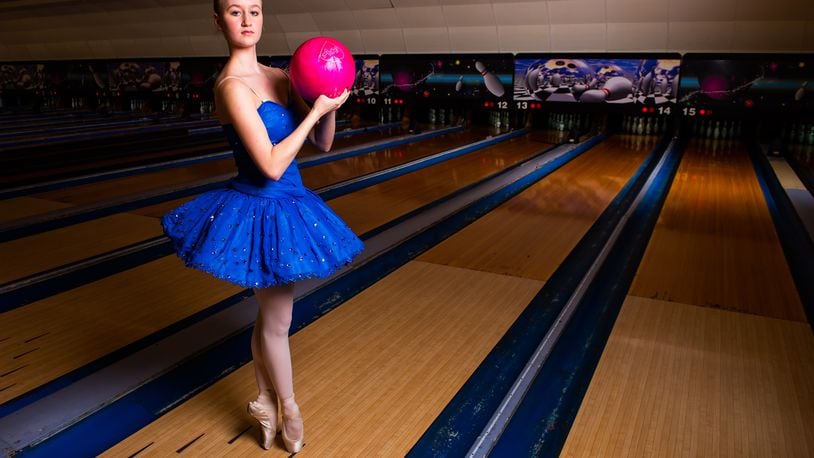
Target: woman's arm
238 103
323 134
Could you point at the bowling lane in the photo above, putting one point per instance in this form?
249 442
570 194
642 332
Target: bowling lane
370 376
711 352
370 207
85 323
352 167
547 220
715 243
48 250
395 361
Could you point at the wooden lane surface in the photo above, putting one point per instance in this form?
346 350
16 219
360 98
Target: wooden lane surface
93 320
355 139
392 361
48 250
23 207
715 243
682 380
37 253
546 221
370 376
368 208
676 379
352 167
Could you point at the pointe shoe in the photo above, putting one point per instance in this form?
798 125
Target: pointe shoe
267 420
293 445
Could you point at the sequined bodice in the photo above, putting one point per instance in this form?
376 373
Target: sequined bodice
279 122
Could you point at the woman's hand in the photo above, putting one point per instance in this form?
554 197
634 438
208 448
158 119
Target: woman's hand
324 104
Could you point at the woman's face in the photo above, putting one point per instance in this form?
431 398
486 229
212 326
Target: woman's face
241 21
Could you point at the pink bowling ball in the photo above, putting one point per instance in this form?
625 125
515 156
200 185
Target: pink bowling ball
322 65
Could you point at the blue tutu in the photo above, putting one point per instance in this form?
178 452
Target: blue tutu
259 232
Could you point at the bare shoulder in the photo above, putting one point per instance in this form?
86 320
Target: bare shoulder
231 96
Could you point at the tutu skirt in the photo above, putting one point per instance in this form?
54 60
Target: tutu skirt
259 241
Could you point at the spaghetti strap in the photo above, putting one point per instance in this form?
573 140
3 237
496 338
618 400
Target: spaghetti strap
244 83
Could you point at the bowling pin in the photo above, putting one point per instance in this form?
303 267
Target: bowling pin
640 126
614 89
491 81
716 133
810 140
648 126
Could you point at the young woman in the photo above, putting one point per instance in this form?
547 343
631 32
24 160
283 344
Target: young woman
265 230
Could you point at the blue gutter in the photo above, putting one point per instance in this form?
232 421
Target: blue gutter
542 421
794 238
113 423
464 418
155 251
23 291
61 218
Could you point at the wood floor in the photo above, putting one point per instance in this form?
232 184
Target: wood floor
95 319
679 380
711 354
715 243
530 235
396 353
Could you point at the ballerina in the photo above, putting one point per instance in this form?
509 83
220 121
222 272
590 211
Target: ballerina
265 230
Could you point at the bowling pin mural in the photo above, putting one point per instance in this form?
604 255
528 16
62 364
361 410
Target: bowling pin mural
800 92
491 80
614 88
460 84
